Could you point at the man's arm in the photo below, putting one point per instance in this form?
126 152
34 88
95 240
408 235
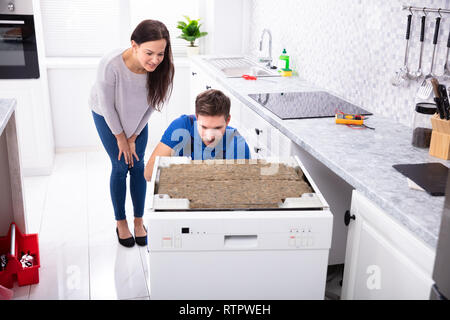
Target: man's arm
160 150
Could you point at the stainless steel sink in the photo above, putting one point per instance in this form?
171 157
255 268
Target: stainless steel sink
235 67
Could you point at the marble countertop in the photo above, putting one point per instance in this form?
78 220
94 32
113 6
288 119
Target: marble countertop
363 158
7 107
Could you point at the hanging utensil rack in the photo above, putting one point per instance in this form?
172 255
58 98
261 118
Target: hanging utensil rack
425 9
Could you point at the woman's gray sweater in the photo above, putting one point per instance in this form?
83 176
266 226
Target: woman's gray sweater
120 95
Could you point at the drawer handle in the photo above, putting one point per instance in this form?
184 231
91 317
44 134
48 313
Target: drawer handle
348 217
208 87
241 241
258 131
194 73
257 150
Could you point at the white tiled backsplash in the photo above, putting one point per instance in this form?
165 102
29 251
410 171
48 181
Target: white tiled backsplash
352 47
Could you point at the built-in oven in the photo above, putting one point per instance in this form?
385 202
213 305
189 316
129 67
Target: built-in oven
18 50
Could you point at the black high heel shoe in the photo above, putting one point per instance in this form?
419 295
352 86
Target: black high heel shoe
128 242
141 241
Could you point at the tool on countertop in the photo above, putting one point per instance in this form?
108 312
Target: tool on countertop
426 87
249 77
351 120
438 98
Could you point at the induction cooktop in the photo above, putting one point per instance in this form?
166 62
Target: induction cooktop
301 105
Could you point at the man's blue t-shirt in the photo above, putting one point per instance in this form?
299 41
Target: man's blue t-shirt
183 137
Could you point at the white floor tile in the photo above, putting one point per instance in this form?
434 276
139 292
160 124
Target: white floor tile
35 191
80 257
21 293
140 298
64 274
143 251
116 273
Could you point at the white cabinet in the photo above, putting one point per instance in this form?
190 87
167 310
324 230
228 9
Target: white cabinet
383 259
34 127
266 140
200 82
198 85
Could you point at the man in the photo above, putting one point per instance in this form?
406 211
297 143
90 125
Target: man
203 136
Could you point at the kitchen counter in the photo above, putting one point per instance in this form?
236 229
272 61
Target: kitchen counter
7 107
12 207
363 158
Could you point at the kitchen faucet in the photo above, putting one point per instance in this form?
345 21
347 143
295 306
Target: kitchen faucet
269 58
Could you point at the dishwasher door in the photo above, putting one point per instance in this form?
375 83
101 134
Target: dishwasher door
239 255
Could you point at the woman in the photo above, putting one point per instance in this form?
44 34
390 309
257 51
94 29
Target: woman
130 85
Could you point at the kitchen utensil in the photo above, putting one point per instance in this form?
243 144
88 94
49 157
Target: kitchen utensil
445 103
426 87
401 76
446 74
418 73
249 77
438 99
429 176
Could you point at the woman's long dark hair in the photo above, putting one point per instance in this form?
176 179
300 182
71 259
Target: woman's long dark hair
160 81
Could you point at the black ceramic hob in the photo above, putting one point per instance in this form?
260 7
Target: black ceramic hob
300 105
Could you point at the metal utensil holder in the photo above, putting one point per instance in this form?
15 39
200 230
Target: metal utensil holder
425 9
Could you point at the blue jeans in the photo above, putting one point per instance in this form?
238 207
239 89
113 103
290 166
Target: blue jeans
118 180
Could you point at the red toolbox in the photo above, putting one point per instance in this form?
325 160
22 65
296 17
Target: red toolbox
14 245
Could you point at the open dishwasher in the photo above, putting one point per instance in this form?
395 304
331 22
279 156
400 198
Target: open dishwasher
236 229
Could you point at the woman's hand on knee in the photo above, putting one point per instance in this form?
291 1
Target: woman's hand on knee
132 146
124 148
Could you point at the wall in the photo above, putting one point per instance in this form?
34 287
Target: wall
72 61
351 47
224 22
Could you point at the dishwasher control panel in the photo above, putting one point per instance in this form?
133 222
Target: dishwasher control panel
302 237
249 231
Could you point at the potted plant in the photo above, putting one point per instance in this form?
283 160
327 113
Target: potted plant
190 31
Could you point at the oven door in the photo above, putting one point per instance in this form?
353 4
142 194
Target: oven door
18 51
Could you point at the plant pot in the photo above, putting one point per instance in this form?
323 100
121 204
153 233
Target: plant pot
191 51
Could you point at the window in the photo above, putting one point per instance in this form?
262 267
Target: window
83 27
86 28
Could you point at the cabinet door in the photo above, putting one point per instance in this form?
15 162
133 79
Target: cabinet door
269 141
34 131
235 110
280 145
198 85
201 82
383 259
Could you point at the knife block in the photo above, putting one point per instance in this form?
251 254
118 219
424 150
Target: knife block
440 138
